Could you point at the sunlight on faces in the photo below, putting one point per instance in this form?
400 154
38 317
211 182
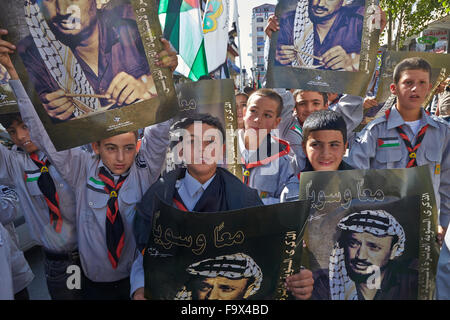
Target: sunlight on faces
325 149
118 152
364 250
308 102
20 135
221 288
412 89
260 117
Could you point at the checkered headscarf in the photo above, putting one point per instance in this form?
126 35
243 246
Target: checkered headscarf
375 222
234 266
303 35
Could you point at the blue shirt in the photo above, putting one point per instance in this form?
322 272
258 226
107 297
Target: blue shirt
190 190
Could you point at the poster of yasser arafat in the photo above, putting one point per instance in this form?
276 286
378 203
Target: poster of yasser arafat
326 46
232 255
89 68
371 234
213 97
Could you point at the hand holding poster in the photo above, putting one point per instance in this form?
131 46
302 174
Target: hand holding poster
317 39
8 102
93 67
354 215
254 249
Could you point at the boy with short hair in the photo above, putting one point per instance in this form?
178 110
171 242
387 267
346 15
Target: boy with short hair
48 202
407 136
201 187
307 102
266 164
325 141
107 186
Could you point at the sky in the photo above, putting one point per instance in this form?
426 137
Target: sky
245 24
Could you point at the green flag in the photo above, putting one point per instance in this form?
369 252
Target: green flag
181 22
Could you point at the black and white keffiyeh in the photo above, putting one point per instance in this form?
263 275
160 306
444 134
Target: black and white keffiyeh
59 60
235 266
303 35
375 222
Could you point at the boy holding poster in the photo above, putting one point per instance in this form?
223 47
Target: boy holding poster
201 187
107 185
407 136
267 166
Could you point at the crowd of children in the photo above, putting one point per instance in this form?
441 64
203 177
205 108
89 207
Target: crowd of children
94 209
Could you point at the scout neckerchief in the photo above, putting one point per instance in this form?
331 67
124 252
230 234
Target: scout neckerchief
412 150
248 166
115 234
48 189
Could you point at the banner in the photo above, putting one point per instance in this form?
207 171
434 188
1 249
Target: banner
307 53
214 97
90 69
244 254
440 63
371 234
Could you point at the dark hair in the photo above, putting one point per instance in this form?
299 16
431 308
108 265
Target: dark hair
324 120
197 117
249 90
414 63
271 94
323 94
7 119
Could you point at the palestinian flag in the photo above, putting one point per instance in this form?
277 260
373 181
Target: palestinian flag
181 23
388 142
96 185
297 129
32 175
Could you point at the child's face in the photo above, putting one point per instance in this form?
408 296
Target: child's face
308 102
118 152
412 89
261 114
241 103
202 150
20 135
325 149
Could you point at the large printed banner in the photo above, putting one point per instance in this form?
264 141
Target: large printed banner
328 47
244 254
214 97
89 66
440 65
371 234
8 102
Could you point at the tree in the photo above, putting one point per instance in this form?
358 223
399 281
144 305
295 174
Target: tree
409 17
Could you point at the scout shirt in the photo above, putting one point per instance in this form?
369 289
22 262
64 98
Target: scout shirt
349 107
379 146
272 175
81 169
6 283
443 270
9 204
17 168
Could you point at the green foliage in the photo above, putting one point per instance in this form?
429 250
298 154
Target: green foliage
410 17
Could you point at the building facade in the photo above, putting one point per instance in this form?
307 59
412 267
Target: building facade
260 16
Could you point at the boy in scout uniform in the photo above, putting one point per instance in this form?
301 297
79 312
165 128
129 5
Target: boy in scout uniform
201 187
266 164
407 136
47 201
107 186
